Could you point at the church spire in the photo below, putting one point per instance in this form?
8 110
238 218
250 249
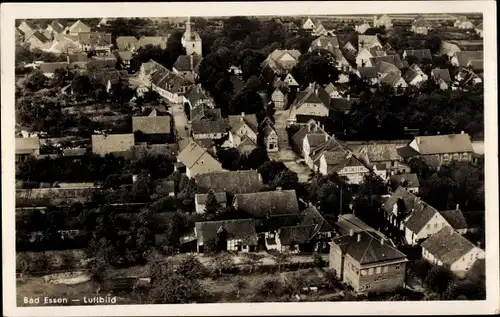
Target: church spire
188 26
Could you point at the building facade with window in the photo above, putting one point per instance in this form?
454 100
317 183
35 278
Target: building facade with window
368 262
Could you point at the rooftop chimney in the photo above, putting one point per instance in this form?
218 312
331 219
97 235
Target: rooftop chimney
348 97
359 237
278 189
478 244
458 207
462 132
382 241
351 232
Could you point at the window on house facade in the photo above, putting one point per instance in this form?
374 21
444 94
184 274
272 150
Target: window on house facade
435 226
378 270
428 226
363 272
446 157
386 269
465 156
398 267
370 271
456 156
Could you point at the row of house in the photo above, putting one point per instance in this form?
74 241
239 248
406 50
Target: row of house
441 231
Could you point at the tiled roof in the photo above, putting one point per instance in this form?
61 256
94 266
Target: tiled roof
74 152
313 94
193 152
391 79
101 63
187 62
220 197
311 216
152 40
455 218
448 48
348 222
420 22
400 194
94 38
205 112
391 59
368 72
405 180
348 160
447 245
73 58
196 93
296 234
125 43
419 218
480 27
380 152
37 34
419 54
168 150
315 139
274 60
105 75
325 42
112 143
27 145
78 25
233 182
275 222
262 204
441 74
368 41
236 121
463 57
410 74
369 249
57 27
440 144
243 229
204 126
152 125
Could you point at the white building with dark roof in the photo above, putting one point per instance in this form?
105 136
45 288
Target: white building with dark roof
450 249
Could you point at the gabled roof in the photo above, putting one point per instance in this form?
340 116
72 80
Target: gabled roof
479 26
311 216
57 27
368 72
274 222
441 74
243 229
400 194
315 139
237 121
204 112
27 145
296 234
455 218
390 59
152 124
125 55
187 62
94 38
348 160
441 144
420 217
314 93
447 246
410 74
348 222
102 63
104 75
405 180
370 248
463 57
233 182
203 126
196 93
275 59
420 22
325 42
391 79
368 41
126 42
193 152
419 54
78 25
262 204
38 35
152 40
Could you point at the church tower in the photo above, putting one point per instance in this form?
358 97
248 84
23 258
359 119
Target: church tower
191 40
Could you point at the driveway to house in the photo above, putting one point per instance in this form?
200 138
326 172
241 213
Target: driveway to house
280 117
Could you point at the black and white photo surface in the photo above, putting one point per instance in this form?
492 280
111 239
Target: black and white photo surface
295 155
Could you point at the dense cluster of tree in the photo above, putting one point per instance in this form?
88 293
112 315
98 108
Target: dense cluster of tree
330 193
384 115
231 159
318 67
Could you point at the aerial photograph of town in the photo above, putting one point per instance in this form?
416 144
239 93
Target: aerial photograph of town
242 159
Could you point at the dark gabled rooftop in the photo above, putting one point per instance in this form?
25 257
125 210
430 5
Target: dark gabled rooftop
243 229
369 249
263 204
233 182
